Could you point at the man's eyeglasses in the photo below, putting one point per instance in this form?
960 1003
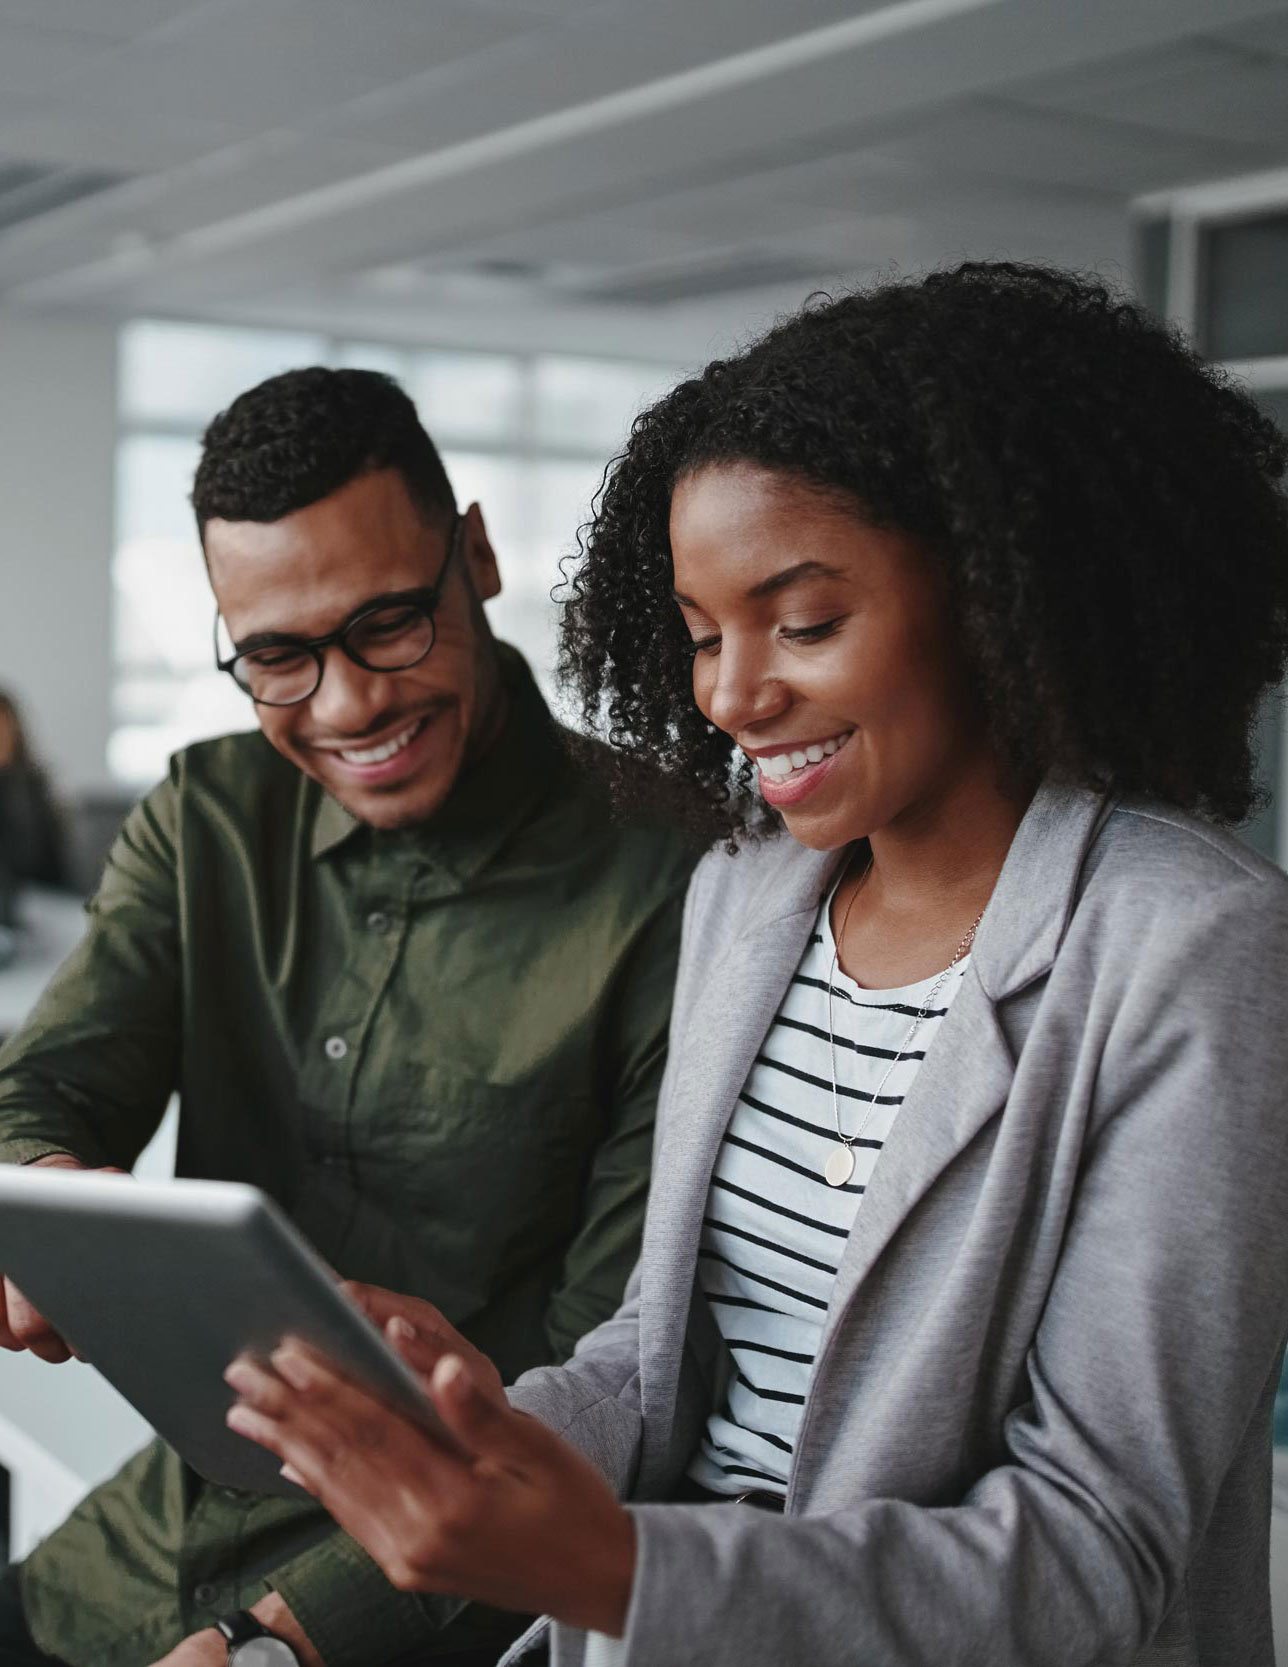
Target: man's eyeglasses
390 634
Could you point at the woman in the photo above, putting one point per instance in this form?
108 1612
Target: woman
957 1325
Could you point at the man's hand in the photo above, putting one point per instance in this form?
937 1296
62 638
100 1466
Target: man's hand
21 1327
207 1648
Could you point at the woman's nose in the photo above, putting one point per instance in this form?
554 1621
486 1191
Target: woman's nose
742 692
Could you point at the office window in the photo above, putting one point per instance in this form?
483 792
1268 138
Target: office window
527 437
1245 287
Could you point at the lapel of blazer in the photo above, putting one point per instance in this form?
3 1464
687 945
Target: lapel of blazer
727 1025
966 1075
962 1082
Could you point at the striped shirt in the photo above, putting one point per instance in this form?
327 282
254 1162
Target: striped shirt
774 1230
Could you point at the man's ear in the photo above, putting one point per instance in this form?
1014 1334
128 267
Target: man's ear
479 556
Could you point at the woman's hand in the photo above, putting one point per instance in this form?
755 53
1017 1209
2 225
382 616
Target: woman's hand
521 1520
418 1332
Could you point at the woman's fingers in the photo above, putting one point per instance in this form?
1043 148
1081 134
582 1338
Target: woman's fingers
419 1333
259 1388
486 1427
295 1406
258 1427
382 1306
301 1408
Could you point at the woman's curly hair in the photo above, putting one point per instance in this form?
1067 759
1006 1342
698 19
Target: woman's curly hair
1108 511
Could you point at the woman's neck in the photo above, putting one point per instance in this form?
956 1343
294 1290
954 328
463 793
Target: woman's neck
933 871
948 847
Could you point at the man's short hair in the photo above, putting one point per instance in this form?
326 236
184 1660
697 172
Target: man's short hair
298 437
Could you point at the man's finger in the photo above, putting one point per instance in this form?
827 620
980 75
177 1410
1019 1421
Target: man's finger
7 1338
30 1330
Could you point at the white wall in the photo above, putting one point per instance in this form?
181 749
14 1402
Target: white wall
57 457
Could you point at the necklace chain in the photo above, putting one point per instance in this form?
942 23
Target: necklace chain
840 1161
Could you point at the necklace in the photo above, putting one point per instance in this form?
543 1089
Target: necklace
838 1166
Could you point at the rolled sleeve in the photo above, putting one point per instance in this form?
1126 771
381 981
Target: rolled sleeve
349 1611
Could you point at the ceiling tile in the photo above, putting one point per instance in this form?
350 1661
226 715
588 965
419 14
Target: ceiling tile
574 59
112 19
32 58
1201 87
138 140
1263 34
993 137
251 176
266 63
551 8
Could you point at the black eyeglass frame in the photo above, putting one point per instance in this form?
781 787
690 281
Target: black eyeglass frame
425 601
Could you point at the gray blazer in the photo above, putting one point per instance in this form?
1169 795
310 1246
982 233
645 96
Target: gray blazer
1038 1429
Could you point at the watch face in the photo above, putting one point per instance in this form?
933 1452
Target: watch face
263 1652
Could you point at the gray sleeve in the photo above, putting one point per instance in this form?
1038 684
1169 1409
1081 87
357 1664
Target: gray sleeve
593 1400
1158 1343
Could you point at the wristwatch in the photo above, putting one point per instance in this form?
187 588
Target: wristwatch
251 1644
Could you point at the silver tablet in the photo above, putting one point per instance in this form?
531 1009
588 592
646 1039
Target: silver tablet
161 1284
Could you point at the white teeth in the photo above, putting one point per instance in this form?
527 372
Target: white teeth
782 764
377 755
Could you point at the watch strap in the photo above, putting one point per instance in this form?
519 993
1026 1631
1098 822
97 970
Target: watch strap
240 1627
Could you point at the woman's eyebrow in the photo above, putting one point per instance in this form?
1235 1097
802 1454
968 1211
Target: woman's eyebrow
778 581
793 575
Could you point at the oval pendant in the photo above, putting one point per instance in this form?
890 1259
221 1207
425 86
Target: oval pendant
839 1166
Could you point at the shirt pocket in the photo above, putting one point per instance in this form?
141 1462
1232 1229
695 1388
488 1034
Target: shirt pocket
454 1146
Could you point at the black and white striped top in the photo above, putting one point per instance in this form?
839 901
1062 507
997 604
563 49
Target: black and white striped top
774 1230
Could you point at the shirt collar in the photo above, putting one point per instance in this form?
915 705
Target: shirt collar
489 801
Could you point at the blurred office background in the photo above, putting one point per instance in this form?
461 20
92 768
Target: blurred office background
537 214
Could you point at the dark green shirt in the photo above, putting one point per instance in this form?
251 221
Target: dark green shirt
438 1049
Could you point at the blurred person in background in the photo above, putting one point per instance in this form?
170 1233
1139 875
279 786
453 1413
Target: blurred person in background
31 832
407 973
964 1287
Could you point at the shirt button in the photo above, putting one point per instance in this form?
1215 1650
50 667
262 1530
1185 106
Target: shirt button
336 1047
377 921
205 1594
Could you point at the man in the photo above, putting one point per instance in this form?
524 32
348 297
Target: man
407 976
